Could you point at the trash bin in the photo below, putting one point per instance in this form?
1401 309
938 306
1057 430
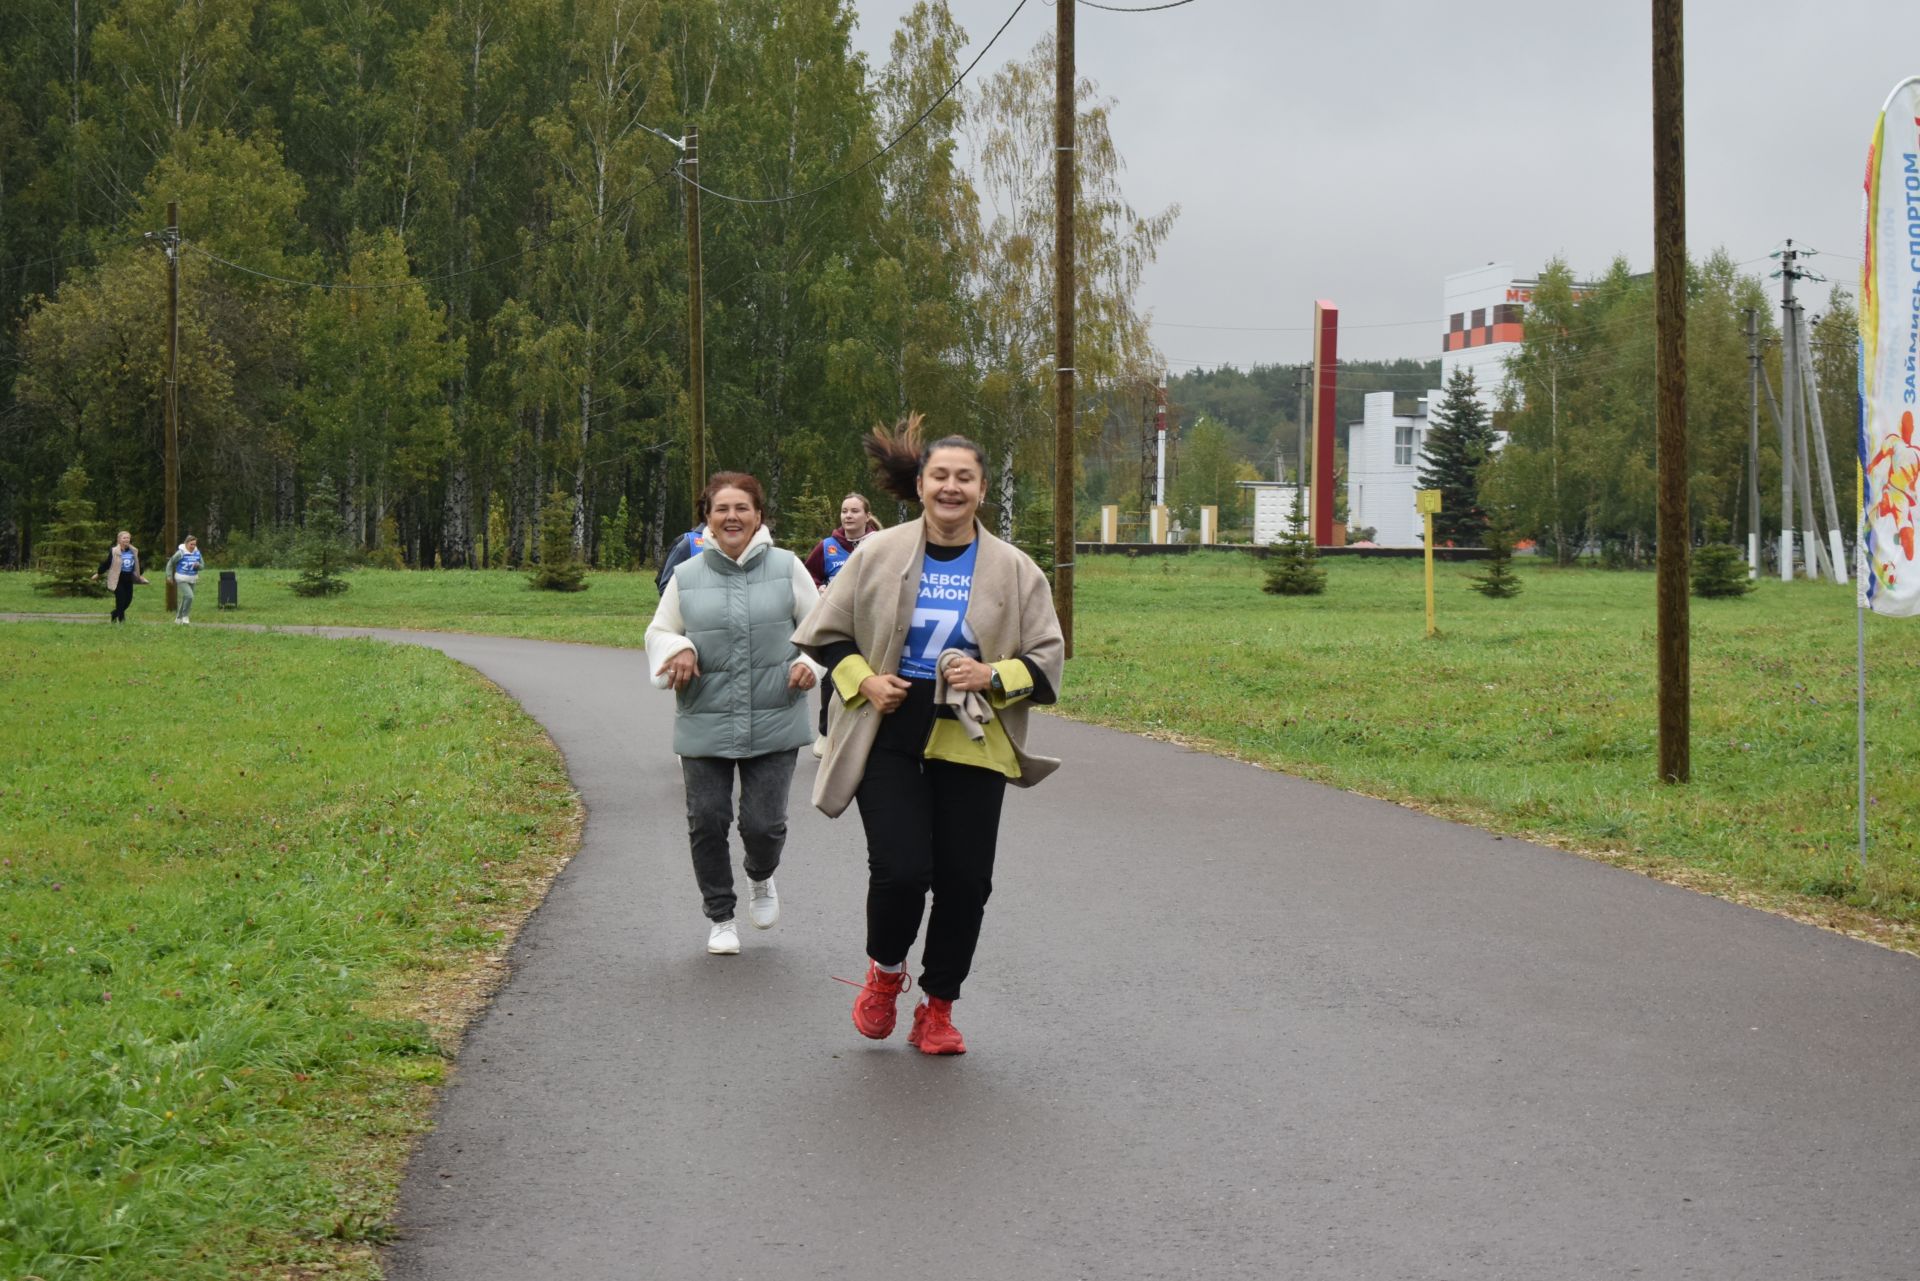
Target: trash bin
229 590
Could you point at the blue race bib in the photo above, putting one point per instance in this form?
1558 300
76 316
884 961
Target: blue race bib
126 562
940 614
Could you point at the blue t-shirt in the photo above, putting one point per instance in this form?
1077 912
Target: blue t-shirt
126 561
940 614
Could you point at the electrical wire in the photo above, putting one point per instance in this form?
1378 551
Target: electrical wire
356 287
897 140
12 267
1150 8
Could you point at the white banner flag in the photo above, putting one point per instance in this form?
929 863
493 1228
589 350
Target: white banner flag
1889 443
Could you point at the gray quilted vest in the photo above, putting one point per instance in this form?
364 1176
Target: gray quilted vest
740 620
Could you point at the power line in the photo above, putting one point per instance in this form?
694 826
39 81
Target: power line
897 140
1151 8
12 267
354 286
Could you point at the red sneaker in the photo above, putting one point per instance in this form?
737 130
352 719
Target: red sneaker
933 1030
873 1012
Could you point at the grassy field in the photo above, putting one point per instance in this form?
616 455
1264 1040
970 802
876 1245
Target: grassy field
1535 715
1532 716
613 611
250 885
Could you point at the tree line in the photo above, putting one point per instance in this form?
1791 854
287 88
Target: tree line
433 259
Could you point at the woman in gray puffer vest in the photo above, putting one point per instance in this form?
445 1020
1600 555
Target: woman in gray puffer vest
722 640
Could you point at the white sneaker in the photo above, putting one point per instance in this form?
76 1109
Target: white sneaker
763 904
723 939
820 747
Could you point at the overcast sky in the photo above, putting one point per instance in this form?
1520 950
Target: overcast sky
1363 152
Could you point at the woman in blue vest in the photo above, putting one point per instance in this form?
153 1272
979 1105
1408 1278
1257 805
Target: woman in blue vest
122 568
824 561
183 571
722 640
938 637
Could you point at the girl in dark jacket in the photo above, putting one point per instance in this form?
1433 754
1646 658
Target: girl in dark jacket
824 561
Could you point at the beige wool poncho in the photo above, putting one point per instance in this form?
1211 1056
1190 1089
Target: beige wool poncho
870 603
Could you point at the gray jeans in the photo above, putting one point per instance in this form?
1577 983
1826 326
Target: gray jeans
183 587
764 783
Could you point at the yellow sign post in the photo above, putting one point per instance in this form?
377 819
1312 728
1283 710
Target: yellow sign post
1427 502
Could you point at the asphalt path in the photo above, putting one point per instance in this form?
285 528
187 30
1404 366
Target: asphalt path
1223 1022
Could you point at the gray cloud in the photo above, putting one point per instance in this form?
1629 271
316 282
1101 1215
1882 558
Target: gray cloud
1363 152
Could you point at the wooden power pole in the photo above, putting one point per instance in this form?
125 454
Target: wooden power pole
1065 176
1670 387
696 337
170 397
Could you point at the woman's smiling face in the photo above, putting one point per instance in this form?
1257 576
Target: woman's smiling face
951 487
733 519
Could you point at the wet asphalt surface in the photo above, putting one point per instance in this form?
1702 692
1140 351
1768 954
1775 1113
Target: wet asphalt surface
1223 1023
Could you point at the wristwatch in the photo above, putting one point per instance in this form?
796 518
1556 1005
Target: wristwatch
994 684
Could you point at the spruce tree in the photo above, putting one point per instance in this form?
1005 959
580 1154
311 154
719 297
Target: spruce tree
321 553
559 569
1033 534
1499 582
1718 567
1460 440
1295 569
69 550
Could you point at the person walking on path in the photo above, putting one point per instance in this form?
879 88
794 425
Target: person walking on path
685 547
937 636
183 571
722 640
824 561
122 568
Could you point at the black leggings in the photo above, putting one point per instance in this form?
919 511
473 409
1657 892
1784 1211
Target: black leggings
122 597
930 826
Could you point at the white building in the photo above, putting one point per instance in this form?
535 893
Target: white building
1383 469
1273 509
1484 310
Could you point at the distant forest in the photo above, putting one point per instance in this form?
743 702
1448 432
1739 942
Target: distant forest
1260 407
434 257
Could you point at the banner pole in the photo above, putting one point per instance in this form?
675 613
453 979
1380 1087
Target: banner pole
1861 666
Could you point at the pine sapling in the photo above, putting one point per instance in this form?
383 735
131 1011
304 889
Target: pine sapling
1718 568
1295 569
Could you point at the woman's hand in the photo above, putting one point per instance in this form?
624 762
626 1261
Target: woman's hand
885 690
681 669
968 675
800 676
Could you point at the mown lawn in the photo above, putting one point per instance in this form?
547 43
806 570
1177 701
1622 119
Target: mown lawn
247 886
614 610
1535 715
1531 716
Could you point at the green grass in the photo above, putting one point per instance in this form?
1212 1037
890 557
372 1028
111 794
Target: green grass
234 867
1535 715
1531 716
614 610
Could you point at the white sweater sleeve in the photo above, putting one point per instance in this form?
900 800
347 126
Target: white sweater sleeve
666 634
806 596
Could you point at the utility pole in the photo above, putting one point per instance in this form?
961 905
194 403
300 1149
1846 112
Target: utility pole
1670 386
1065 177
170 399
1303 385
696 309
1789 396
1817 446
1753 443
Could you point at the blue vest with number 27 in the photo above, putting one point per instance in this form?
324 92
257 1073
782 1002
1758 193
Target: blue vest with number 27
940 614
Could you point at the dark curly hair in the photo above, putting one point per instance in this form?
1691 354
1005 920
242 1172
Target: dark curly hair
898 454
